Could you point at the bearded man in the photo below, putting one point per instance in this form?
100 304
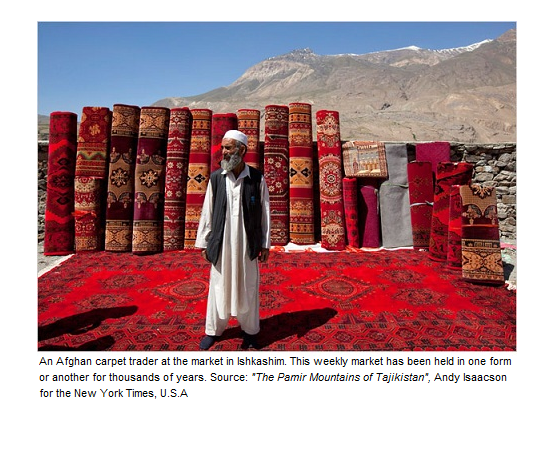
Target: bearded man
234 234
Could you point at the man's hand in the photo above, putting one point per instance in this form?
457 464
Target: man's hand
204 255
264 255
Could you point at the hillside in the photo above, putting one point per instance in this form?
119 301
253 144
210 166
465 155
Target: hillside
465 94
410 94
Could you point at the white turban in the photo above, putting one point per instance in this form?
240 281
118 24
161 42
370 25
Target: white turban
237 135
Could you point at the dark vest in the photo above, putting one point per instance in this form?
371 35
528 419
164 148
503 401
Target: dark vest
252 213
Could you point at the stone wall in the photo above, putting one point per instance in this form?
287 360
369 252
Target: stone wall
494 164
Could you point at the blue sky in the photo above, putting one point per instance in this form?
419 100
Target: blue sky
103 63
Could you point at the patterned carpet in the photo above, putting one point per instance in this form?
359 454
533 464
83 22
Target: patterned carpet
353 300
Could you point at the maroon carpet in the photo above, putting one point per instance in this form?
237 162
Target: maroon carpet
369 214
433 152
150 180
421 189
121 183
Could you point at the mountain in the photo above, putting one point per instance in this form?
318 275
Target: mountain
465 94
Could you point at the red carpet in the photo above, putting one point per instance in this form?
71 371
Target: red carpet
198 173
454 229
349 191
374 301
276 171
421 191
90 178
333 225
447 174
249 123
178 144
220 124
59 222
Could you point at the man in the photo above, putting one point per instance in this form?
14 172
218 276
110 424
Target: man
234 234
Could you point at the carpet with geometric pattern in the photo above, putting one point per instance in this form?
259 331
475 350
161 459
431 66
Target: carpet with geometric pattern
354 300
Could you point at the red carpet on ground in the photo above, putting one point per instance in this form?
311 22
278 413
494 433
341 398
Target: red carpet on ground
348 301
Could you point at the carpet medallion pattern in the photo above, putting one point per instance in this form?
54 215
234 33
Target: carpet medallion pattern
332 217
276 171
150 172
121 184
301 173
363 300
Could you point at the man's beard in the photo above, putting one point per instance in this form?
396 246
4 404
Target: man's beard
232 162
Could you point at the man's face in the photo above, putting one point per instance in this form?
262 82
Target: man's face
231 152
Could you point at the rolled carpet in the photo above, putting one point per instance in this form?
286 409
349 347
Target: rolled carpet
369 225
198 174
351 217
91 178
395 216
150 180
447 174
60 201
301 173
121 181
481 249
276 173
220 124
249 124
179 137
454 229
421 192
328 136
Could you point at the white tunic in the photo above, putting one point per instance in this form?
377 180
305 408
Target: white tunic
234 280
